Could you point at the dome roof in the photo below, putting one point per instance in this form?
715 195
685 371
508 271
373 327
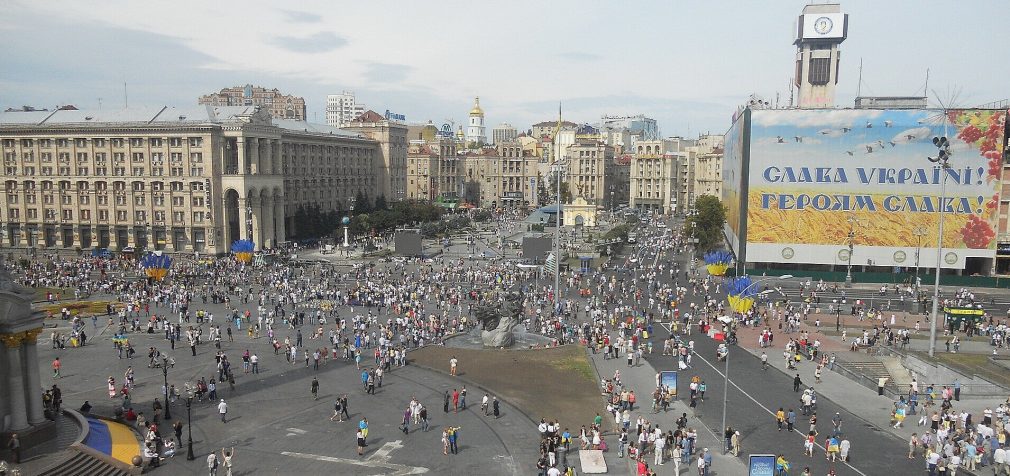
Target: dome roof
476 111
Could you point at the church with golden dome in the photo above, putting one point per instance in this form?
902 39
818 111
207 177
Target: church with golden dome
475 131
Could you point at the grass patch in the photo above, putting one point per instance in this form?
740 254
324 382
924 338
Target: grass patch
40 293
577 364
970 364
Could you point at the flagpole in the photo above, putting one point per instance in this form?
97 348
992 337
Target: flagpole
557 219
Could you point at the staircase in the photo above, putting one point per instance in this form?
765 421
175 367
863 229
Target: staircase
871 369
83 464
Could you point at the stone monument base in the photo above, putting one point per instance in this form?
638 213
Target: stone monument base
31 437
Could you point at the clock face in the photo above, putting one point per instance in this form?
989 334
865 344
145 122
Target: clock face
823 25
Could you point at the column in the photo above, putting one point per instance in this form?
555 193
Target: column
254 155
256 235
16 381
280 231
268 153
36 413
243 160
267 208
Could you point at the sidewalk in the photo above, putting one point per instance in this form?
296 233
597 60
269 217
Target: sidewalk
642 379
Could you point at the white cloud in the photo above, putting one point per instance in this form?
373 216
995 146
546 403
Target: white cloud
814 117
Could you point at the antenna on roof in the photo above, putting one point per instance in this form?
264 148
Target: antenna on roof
859 85
126 98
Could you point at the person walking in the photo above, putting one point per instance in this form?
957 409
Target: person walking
360 436
222 408
453 362
423 413
780 418
343 407
796 383
445 405
57 365
212 464
494 406
315 388
363 426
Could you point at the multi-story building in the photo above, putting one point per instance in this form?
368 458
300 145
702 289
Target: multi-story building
653 177
192 180
281 106
433 170
547 128
392 139
504 132
591 170
706 166
342 108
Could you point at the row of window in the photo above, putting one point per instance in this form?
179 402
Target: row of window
120 199
100 157
101 142
103 171
103 215
137 186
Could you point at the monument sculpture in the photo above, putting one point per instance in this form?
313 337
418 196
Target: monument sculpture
498 320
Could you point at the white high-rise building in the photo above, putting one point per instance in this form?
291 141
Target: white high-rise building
819 32
504 132
475 132
342 108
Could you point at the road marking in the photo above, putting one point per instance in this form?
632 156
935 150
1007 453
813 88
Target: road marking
382 454
509 462
762 406
398 469
295 431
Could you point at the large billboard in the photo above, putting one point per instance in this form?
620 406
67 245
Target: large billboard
734 174
816 175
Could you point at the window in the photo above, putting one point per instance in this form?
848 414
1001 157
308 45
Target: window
136 142
48 171
820 71
121 215
103 215
12 198
196 186
175 157
103 200
68 215
197 217
138 172
64 170
196 157
138 186
140 215
82 156
159 200
99 142
198 201
26 143
31 199
196 171
33 214
118 157
138 156
157 186
157 157
50 214
8 142
62 143
13 213
28 156
85 215
175 171
176 186
154 141
175 142
120 199
64 157
178 217
82 171
116 142
81 142
9 171
196 141
101 171
140 200
30 171
157 171
159 215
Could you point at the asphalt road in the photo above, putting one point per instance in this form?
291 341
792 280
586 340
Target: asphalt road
753 397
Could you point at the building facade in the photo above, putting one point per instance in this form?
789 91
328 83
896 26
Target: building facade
192 180
653 177
392 139
503 132
342 108
591 170
281 106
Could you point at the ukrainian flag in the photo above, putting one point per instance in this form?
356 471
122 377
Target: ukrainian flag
113 439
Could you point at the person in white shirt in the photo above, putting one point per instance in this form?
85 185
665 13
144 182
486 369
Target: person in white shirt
222 408
660 445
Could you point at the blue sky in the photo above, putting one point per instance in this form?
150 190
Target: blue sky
685 63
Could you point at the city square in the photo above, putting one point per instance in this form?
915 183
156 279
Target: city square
242 239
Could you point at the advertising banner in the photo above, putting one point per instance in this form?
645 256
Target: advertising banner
817 175
761 465
668 378
734 181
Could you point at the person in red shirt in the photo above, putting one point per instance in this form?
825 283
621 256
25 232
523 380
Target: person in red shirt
455 400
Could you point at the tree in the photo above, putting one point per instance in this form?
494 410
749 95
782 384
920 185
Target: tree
566 194
706 224
380 202
361 204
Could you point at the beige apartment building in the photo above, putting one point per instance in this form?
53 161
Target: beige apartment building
392 137
281 106
653 177
182 180
433 170
591 170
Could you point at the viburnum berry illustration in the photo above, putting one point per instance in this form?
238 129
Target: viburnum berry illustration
976 233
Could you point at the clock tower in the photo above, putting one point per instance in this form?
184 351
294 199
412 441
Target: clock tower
821 28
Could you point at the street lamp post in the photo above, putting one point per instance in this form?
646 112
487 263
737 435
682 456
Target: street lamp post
249 222
189 426
725 383
919 232
168 405
852 238
942 160
557 240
